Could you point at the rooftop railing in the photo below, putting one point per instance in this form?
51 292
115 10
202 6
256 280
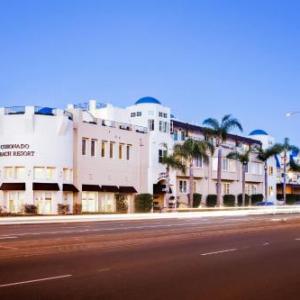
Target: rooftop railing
38 110
115 124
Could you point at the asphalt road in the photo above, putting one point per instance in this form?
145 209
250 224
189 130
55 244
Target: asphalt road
214 258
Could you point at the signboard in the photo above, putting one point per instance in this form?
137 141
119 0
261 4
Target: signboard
8 150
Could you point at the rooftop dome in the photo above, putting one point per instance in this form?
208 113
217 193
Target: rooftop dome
258 132
148 100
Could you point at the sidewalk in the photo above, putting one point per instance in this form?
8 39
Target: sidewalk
200 213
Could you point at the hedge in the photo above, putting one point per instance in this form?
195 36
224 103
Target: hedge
229 200
290 198
211 200
256 198
196 200
143 202
121 204
240 199
30 209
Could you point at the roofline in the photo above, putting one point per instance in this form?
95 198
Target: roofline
200 129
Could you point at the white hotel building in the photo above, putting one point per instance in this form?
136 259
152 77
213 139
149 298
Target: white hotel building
87 154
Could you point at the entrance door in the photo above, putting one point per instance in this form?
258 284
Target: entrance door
15 201
89 201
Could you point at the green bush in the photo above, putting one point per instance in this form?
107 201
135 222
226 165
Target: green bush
62 209
229 200
196 200
240 199
143 202
30 209
121 204
211 200
257 198
290 198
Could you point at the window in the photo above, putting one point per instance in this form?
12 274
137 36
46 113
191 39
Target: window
271 171
68 174
165 115
39 173
271 191
128 152
111 150
161 154
226 188
84 146
165 126
120 151
151 125
20 172
50 173
160 126
8 172
103 146
182 186
133 114
183 135
175 135
225 164
139 114
160 114
198 162
93 147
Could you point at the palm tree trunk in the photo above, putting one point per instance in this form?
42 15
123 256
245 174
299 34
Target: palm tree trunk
266 181
219 178
284 177
166 202
191 183
243 185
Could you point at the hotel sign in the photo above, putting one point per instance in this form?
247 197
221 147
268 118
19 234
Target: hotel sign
8 150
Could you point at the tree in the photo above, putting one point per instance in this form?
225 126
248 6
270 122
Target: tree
190 150
264 155
285 148
219 131
243 158
172 161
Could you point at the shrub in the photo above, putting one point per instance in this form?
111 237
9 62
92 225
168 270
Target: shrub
121 204
229 200
77 209
240 199
279 197
292 198
196 200
63 209
211 200
30 209
143 202
257 198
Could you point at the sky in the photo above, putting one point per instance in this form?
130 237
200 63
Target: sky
201 58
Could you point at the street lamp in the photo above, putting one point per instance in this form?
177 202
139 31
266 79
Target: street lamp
292 113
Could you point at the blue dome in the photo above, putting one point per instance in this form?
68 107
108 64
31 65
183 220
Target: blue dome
258 132
150 100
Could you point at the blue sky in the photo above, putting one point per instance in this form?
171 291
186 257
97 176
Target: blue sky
202 58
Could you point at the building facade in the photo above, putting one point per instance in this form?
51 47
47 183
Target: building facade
89 155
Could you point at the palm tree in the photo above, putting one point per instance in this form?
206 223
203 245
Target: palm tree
190 150
285 148
243 158
264 155
171 161
219 131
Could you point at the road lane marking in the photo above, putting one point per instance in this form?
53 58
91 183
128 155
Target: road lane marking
219 252
35 280
8 237
266 244
103 270
297 239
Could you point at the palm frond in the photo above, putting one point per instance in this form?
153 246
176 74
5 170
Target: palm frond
293 166
212 123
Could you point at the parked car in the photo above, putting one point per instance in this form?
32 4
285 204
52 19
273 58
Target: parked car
264 203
